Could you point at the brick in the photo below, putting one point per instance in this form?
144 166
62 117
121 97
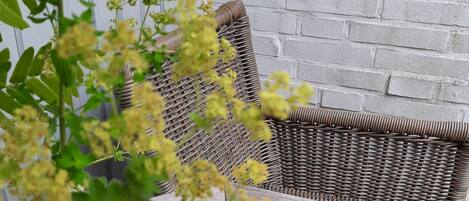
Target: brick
273 22
324 28
460 44
367 8
341 100
266 45
411 87
430 39
446 13
343 77
268 65
257 3
422 64
457 93
330 53
399 107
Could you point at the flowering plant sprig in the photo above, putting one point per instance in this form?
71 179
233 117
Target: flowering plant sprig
37 101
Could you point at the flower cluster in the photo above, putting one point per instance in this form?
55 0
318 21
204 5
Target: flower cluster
161 20
228 52
41 181
98 136
30 140
251 171
144 117
78 40
26 158
274 104
116 4
199 51
198 179
119 45
216 106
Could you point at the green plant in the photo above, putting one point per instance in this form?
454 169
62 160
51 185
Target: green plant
36 102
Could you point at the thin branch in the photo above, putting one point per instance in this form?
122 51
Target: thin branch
143 24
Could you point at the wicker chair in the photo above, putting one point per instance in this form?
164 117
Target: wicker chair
319 154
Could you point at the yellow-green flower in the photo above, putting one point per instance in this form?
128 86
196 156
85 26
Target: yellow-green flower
251 171
78 40
197 180
228 52
114 4
216 106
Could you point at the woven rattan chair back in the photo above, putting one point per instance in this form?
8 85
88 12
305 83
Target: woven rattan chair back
228 145
317 153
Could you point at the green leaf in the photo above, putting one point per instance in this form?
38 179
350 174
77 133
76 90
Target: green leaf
21 95
13 5
7 103
80 196
10 14
21 69
97 98
97 188
72 157
65 23
52 82
157 60
87 4
4 55
140 184
38 20
139 77
119 155
52 124
87 16
31 4
40 7
63 69
201 122
117 192
4 68
6 123
41 90
7 169
74 161
39 60
74 123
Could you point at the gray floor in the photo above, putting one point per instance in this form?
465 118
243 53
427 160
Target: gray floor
254 192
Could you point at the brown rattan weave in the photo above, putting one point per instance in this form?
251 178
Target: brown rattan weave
317 153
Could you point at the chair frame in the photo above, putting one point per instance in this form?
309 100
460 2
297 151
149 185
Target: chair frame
321 154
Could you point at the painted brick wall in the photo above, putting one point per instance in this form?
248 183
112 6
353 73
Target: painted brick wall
398 57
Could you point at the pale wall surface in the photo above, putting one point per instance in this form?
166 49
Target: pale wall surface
399 57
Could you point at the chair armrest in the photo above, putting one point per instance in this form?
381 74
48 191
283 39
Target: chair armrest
338 154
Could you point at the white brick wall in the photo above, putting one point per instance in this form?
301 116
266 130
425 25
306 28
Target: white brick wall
399 57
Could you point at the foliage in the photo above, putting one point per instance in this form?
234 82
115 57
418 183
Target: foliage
37 102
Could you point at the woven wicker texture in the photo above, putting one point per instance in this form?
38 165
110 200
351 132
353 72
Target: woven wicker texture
229 144
317 153
336 163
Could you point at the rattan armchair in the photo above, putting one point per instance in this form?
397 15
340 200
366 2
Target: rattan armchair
317 153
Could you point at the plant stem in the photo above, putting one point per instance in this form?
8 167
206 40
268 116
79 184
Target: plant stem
51 20
63 137
143 24
101 159
105 158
